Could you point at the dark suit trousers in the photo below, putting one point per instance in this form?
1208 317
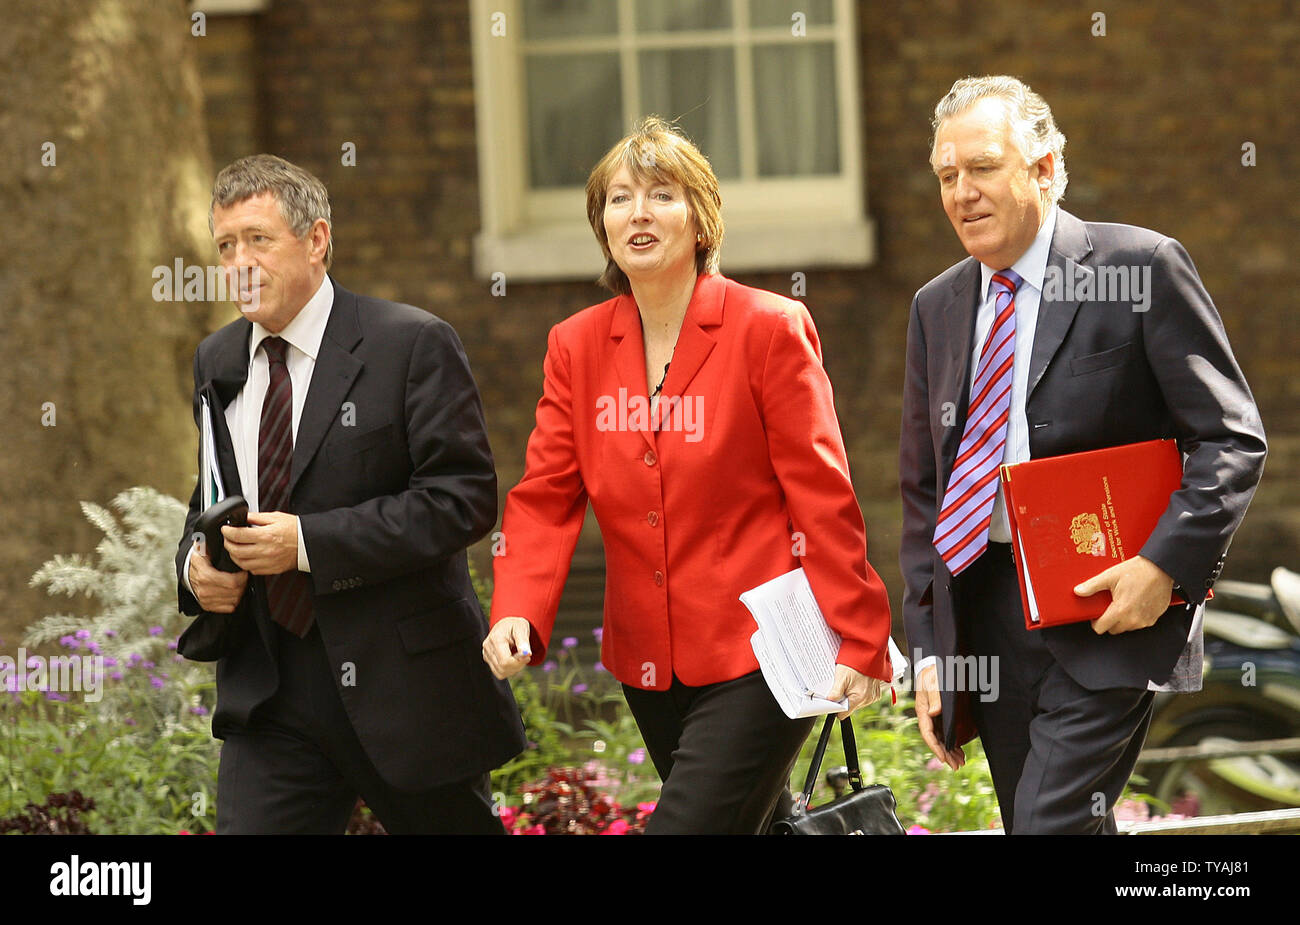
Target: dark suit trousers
724 752
1060 754
298 767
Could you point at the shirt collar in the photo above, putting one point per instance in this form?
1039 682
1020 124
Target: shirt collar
307 327
1032 265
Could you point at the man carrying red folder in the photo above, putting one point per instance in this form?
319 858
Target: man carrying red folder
1056 336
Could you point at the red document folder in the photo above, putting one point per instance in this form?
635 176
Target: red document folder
1077 515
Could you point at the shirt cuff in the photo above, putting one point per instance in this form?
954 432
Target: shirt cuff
185 572
303 564
924 664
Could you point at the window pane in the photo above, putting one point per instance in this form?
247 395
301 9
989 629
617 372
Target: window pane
677 15
698 88
549 19
574 115
780 12
796 109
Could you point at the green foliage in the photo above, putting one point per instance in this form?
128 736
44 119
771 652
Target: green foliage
891 752
144 751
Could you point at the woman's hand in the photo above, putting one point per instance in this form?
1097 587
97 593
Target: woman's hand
506 648
860 688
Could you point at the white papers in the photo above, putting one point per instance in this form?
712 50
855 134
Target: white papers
209 470
795 648
1023 563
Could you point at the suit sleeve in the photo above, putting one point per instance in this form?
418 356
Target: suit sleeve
807 454
918 481
1217 424
450 501
544 512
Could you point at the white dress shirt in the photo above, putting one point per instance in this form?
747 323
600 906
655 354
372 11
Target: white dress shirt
1031 267
244 414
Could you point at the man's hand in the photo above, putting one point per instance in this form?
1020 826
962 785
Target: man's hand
860 689
268 546
1140 592
506 648
215 590
929 706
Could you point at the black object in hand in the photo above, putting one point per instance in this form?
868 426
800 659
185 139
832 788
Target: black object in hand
231 512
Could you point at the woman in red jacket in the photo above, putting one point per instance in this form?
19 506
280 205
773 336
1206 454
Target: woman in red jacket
695 415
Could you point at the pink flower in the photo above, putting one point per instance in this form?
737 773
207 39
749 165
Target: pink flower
538 829
918 830
646 808
617 827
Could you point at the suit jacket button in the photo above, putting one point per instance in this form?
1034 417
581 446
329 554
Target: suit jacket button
659 578
652 518
650 457
337 584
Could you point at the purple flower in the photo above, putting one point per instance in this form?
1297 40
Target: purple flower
598 667
599 633
146 664
172 644
178 658
109 661
116 676
110 633
82 634
69 642
133 659
636 756
129 721
155 631
157 683
579 688
549 666
569 642
34 661
95 649
199 711
55 695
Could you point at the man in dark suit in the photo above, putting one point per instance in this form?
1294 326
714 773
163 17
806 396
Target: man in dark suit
1055 336
347 664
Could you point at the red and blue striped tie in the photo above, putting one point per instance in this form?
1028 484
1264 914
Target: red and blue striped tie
962 532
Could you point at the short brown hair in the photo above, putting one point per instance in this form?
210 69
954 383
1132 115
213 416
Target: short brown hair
658 150
301 196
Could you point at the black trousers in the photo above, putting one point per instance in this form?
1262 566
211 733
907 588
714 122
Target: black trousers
298 767
1060 754
724 752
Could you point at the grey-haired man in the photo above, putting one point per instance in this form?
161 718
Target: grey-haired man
1007 362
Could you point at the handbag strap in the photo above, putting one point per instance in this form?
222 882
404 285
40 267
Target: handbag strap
850 759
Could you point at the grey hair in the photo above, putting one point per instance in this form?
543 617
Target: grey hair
1032 127
301 196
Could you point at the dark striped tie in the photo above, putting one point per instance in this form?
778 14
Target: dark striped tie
962 531
289 592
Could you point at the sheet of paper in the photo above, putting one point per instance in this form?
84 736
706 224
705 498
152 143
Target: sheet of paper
210 471
1029 584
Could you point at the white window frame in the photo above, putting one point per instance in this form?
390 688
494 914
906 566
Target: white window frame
773 224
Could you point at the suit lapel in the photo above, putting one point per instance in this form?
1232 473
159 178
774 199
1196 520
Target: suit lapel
1070 246
629 356
694 342
959 316
331 380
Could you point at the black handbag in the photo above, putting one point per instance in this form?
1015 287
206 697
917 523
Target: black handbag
863 811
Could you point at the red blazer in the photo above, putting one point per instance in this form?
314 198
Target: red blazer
744 479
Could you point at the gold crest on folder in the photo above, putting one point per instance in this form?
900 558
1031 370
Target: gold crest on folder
1086 533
